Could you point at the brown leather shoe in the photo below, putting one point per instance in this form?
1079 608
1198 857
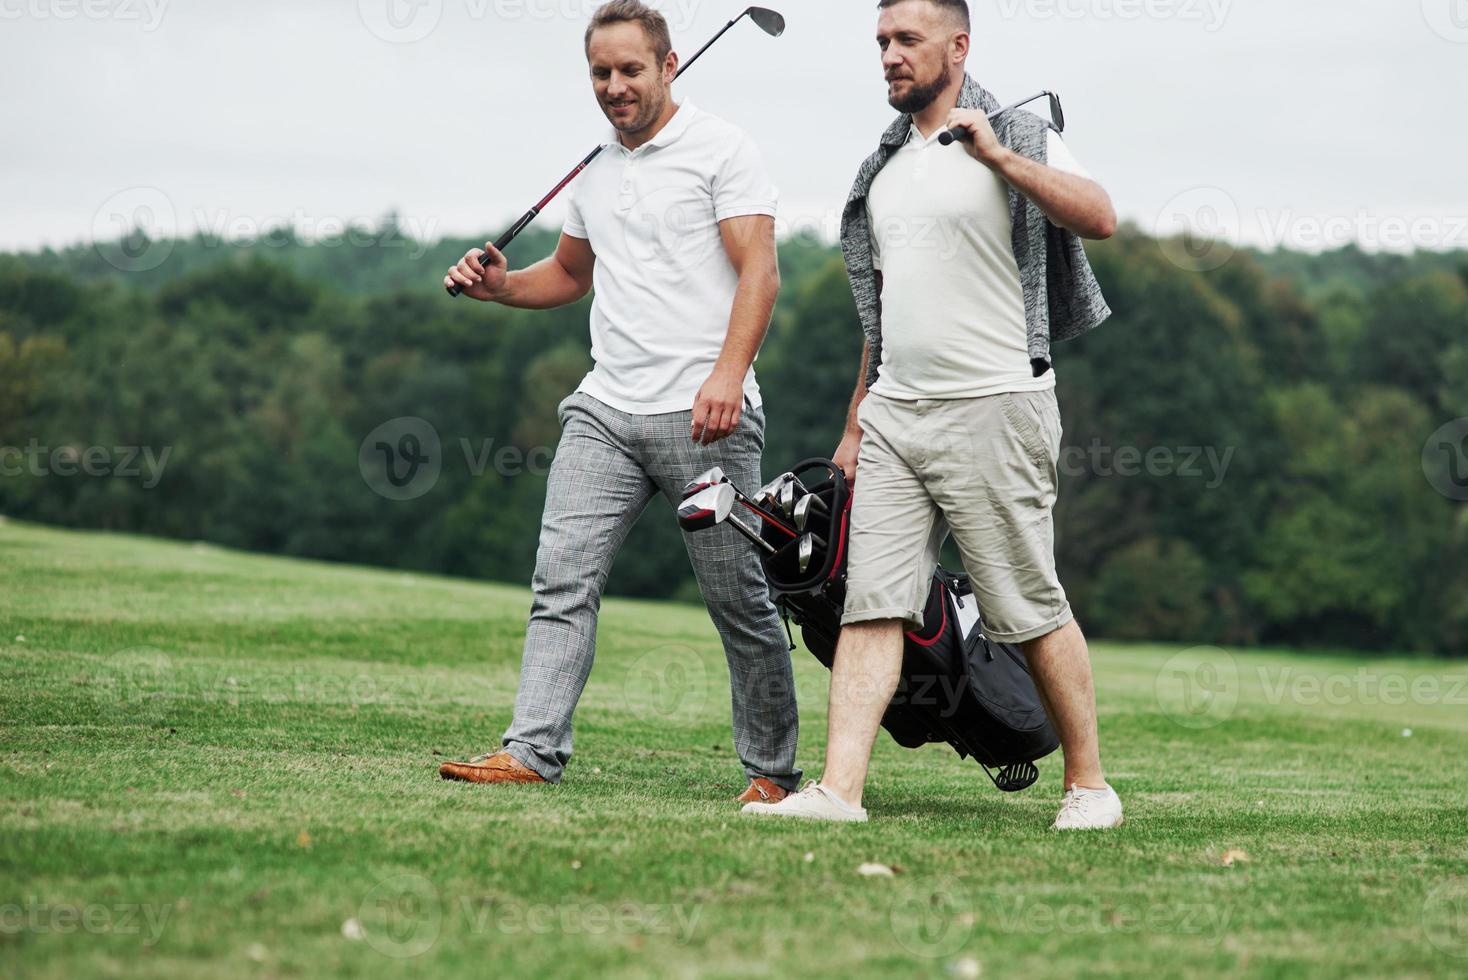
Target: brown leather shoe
761 790
501 767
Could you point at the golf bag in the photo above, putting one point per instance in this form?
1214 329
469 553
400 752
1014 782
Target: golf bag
957 685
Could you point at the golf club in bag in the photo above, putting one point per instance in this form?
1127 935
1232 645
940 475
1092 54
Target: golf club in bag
957 685
765 19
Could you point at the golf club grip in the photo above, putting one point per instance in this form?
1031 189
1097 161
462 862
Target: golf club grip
501 245
948 136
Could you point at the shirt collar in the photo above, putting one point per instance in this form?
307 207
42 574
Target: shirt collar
670 133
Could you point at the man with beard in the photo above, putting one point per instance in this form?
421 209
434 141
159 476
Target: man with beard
965 264
673 224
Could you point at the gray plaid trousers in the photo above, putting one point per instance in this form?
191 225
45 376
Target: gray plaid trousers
608 467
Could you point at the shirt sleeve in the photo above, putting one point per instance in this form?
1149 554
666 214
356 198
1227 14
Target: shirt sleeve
742 185
1058 155
575 226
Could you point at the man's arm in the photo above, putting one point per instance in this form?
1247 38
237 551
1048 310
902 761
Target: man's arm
564 277
850 447
1074 203
750 244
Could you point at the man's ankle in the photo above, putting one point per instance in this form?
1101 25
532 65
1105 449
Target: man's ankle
846 793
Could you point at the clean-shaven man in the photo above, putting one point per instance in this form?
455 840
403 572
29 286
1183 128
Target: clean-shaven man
965 264
673 226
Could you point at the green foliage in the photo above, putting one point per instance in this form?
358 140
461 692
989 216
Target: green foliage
1243 448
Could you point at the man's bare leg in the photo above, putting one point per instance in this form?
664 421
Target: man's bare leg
864 677
1061 666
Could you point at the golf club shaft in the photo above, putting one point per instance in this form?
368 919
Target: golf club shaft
525 219
766 516
710 44
750 533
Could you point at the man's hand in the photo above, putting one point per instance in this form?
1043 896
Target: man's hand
718 407
480 279
847 452
981 144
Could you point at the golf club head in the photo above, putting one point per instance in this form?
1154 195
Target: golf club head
806 550
706 508
705 480
768 20
769 494
787 498
1057 114
802 512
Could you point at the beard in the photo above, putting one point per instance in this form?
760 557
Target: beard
647 112
919 97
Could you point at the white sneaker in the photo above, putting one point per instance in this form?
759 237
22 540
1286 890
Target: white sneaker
1089 809
814 802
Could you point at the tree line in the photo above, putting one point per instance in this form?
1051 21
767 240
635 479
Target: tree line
1264 452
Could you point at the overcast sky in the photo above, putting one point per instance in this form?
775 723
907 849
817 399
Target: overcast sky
1308 122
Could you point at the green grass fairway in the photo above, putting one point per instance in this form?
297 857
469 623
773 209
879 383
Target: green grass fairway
223 765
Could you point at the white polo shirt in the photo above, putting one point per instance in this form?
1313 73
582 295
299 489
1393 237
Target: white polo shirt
664 285
953 308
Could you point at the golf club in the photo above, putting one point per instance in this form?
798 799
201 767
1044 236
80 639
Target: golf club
713 506
769 494
787 498
715 477
705 480
807 549
1057 116
765 19
804 506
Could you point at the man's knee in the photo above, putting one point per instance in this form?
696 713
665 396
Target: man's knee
562 587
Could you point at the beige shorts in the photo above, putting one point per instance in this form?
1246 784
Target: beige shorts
983 469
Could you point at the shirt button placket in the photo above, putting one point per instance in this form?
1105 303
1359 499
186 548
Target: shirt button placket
628 195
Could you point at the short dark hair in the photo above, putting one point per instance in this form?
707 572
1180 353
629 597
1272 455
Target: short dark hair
654 25
954 8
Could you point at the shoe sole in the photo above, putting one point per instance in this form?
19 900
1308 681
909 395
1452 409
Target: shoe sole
1119 822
